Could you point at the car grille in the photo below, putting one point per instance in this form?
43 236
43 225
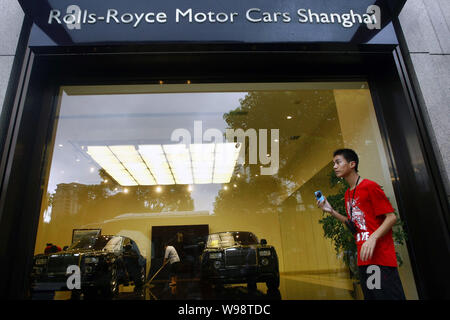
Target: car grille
60 263
240 256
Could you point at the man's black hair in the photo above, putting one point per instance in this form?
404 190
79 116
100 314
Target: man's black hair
168 243
349 155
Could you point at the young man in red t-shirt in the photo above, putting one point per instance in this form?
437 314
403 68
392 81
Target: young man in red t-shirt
370 217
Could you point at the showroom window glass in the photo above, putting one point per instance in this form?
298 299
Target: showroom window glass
159 164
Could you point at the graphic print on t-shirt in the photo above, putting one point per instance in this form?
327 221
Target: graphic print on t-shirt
369 206
357 215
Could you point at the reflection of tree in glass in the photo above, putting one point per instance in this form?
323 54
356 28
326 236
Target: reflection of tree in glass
108 199
300 117
48 200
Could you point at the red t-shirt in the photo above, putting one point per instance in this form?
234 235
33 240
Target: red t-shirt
370 204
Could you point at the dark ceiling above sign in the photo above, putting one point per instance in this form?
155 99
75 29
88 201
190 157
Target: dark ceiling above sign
93 22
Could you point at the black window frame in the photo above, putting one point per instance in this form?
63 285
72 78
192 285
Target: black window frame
27 128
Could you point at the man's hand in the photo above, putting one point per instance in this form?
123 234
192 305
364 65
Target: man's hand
325 205
368 248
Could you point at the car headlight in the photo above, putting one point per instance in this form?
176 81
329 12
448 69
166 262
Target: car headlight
37 270
215 255
217 264
265 261
91 260
41 261
264 253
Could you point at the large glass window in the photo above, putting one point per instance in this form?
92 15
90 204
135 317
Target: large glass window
185 166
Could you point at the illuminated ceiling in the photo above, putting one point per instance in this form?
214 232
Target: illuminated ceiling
167 164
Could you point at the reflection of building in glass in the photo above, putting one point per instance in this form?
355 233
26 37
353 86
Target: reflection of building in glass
67 199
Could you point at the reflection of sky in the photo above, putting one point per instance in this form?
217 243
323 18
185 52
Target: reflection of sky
131 119
386 35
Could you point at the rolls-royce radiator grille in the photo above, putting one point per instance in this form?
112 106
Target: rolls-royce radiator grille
59 264
239 257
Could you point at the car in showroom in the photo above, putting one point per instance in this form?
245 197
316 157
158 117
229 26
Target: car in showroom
238 257
104 262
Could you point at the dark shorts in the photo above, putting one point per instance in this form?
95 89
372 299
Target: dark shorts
174 268
388 288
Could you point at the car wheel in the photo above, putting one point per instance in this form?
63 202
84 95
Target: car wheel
139 280
75 295
43 295
143 275
90 294
251 286
112 288
273 283
218 287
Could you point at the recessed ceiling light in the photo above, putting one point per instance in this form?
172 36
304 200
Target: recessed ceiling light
289 117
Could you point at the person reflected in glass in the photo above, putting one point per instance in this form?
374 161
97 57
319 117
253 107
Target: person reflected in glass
51 248
171 257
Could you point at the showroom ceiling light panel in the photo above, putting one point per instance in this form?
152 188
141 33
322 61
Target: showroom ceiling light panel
226 156
109 162
132 161
202 156
156 161
180 162
168 164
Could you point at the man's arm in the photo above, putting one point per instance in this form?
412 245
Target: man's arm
325 206
389 221
368 247
166 256
338 216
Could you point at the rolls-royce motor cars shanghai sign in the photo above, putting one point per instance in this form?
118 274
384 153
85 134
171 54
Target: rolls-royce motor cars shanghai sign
85 22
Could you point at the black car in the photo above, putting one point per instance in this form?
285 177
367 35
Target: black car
104 261
238 257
